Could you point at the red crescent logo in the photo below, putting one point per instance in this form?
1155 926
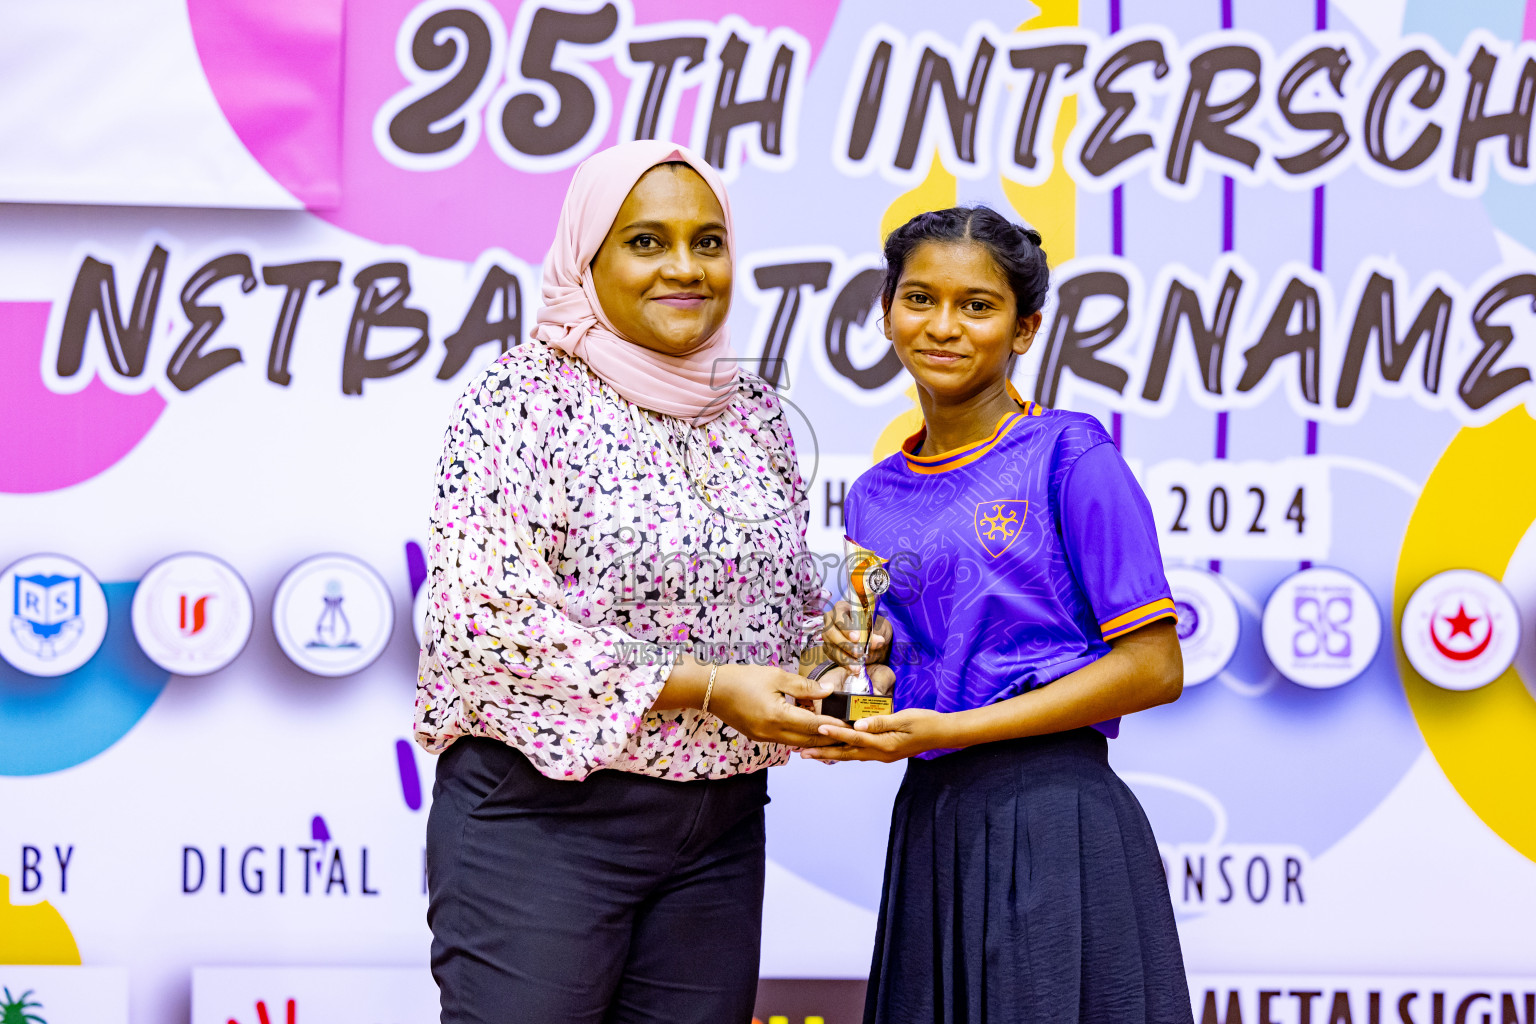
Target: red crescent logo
1460 655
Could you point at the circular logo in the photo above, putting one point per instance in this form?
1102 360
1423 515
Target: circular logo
1321 627
1460 630
1208 625
55 615
192 614
1483 746
332 615
1188 618
878 580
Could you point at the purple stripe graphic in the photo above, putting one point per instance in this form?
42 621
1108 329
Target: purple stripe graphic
410 780
1117 220
1228 232
1319 205
1228 214
1221 453
415 565
1116 236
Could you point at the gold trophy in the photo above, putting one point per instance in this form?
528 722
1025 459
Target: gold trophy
856 697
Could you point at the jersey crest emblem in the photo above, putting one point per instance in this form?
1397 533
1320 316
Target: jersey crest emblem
998 523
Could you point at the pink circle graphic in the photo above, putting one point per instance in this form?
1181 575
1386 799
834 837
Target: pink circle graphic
273 75
50 441
275 68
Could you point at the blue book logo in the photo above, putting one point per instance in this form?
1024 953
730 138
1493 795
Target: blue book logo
46 614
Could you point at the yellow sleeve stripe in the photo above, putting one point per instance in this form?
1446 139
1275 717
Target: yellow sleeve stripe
1138 617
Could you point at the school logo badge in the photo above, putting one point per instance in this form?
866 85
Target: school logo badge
1460 630
56 615
192 614
1321 627
998 523
333 615
1208 625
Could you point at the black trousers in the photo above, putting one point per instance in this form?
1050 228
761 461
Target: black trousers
616 900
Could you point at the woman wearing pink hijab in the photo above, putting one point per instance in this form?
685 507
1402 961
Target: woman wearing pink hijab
617 573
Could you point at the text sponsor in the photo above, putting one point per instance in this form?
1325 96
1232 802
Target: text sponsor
1207 877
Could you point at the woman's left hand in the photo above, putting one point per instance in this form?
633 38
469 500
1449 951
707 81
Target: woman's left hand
883 737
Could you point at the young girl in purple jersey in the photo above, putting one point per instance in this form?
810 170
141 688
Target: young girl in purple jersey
1023 883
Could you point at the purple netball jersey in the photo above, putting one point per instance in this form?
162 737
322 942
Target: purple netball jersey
1012 560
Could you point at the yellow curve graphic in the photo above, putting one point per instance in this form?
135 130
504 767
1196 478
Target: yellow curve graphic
1051 208
899 429
33 933
938 191
1472 513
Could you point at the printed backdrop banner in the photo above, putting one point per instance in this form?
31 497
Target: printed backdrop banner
250 253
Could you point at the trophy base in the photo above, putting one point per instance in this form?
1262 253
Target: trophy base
851 707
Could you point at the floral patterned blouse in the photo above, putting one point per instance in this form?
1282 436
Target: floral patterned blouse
581 543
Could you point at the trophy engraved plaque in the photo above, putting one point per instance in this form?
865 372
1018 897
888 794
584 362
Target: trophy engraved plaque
855 697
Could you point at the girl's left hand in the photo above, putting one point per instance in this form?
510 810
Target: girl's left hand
882 737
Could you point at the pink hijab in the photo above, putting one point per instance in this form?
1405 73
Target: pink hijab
696 385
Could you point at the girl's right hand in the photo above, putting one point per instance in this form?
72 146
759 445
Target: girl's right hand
758 701
844 641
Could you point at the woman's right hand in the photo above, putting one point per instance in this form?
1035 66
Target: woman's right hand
758 701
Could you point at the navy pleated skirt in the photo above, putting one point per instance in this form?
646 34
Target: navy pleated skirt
1023 885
